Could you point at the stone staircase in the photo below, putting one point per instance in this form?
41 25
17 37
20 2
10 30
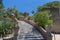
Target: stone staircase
28 32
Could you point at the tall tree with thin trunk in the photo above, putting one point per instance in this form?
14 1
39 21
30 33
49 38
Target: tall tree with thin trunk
1 5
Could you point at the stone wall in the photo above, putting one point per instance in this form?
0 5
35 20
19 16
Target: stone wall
56 19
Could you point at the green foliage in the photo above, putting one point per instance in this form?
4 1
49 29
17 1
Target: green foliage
42 18
4 13
1 5
54 4
15 11
32 11
31 17
50 22
5 28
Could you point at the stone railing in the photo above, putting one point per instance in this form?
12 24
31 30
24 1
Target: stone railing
43 32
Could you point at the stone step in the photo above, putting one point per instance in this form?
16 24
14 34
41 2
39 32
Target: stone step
32 37
36 39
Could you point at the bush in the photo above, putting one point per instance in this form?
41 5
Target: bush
42 18
30 17
49 22
5 28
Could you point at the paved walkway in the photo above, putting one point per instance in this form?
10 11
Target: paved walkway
56 37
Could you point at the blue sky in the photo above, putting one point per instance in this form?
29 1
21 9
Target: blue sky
26 5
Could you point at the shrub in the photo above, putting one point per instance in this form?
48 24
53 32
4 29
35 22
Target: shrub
5 28
42 18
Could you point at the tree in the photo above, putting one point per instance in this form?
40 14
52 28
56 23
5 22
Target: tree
42 21
1 5
32 11
55 4
4 13
42 18
15 11
1 8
